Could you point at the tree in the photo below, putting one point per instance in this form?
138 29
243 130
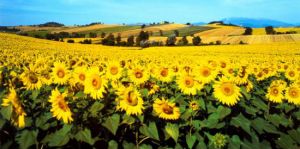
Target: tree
118 39
130 40
70 41
143 26
188 23
218 42
161 33
103 34
143 36
176 32
248 31
196 40
109 40
184 40
92 35
171 40
270 30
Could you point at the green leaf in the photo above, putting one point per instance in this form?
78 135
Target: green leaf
85 136
150 131
202 104
34 94
112 123
241 121
235 142
223 112
295 135
6 112
260 104
286 142
112 144
80 94
41 121
201 145
145 146
127 145
261 125
173 131
58 138
2 122
277 120
190 140
27 138
127 119
95 108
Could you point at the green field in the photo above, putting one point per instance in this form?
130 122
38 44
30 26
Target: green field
185 31
112 29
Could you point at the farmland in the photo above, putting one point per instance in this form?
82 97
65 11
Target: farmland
109 96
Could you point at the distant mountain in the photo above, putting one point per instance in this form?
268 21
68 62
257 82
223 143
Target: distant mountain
199 23
256 23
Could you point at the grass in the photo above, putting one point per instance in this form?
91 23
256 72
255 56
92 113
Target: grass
112 29
186 31
37 33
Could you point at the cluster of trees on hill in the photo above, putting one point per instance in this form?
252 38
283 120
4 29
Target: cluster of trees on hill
8 29
143 41
271 31
50 24
222 23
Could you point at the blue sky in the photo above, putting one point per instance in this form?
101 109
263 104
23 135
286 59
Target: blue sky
70 12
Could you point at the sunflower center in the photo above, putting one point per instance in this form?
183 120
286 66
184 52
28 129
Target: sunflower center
223 65
33 79
132 99
138 74
291 74
206 72
227 89
96 82
60 73
189 82
275 91
167 109
164 72
82 77
61 103
114 70
293 93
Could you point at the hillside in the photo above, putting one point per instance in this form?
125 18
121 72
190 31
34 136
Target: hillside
86 28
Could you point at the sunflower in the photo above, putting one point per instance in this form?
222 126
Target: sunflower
194 105
242 77
31 79
94 83
275 93
226 91
188 85
138 75
292 94
18 117
165 74
114 71
60 73
205 74
79 75
166 110
291 74
59 106
129 100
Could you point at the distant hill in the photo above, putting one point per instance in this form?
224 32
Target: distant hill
256 23
199 23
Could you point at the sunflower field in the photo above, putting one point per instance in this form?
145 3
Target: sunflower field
59 95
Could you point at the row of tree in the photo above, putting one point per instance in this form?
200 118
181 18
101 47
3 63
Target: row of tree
269 31
142 40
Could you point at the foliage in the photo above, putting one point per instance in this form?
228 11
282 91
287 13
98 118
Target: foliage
254 121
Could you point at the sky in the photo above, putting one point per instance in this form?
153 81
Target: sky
71 12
